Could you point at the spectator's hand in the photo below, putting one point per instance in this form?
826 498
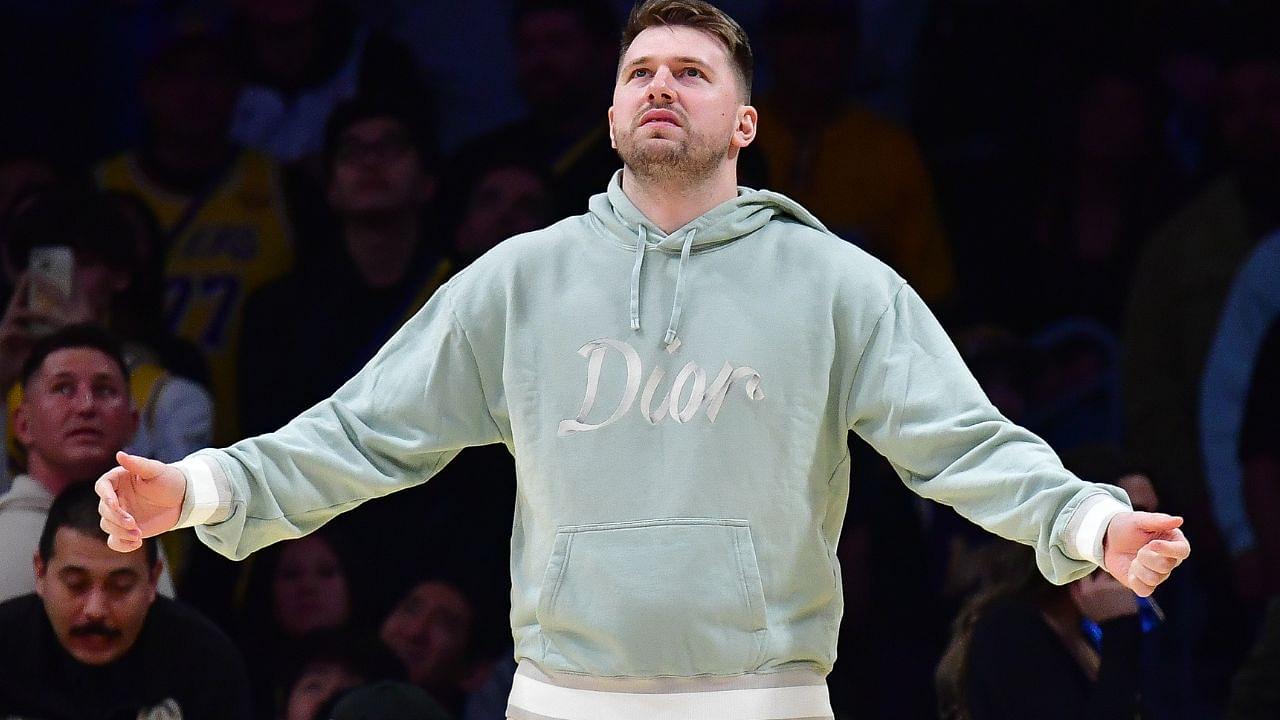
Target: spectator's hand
1141 549
139 499
1249 571
16 336
1101 598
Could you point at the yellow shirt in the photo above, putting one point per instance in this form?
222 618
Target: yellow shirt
237 241
863 177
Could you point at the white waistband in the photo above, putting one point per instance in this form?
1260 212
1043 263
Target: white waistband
533 699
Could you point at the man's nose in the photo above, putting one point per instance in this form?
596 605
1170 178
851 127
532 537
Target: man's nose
660 88
95 605
86 402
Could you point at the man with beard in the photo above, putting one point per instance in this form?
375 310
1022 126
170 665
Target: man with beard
677 513
95 640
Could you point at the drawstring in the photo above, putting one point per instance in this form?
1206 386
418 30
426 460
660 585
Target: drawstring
670 338
635 278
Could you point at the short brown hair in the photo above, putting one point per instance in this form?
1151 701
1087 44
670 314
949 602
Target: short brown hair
699 15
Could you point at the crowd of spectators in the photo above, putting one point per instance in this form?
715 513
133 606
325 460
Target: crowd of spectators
257 194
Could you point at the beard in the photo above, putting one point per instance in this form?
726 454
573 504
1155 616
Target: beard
689 158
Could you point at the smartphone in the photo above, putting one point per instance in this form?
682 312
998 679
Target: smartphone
49 269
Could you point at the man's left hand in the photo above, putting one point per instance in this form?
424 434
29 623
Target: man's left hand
1142 548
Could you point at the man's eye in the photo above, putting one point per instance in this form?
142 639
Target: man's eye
639 72
693 72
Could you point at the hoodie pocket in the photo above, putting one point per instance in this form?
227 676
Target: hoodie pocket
673 597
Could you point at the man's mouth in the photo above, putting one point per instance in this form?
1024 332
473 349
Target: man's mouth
660 118
97 636
89 433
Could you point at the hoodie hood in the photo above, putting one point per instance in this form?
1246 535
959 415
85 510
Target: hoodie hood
620 221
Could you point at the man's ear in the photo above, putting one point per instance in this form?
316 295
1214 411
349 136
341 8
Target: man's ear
22 424
613 141
748 120
41 569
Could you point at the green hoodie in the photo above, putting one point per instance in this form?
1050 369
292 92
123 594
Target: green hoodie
678 407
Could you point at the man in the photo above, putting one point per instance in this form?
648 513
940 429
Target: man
76 412
431 630
221 208
360 282
675 523
96 642
862 174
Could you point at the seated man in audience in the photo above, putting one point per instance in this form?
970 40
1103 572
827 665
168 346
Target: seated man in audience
76 412
95 641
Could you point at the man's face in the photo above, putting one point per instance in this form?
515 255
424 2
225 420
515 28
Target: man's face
677 105
376 169
96 598
553 53
429 631
76 412
190 94
309 587
507 201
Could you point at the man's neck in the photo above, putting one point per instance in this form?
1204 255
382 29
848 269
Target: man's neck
673 203
54 479
382 246
183 166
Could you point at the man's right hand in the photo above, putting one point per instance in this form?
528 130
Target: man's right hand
139 499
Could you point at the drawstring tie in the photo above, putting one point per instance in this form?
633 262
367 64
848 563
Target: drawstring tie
641 244
671 338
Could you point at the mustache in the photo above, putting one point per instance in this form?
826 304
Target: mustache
95 628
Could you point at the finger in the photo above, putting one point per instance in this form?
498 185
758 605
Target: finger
1175 546
1146 575
109 506
144 468
112 527
19 297
124 545
1157 522
1160 563
1139 587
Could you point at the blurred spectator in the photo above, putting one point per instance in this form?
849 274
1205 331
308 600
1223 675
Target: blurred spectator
296 588
495 198
1255 692
564 53
220 208
862 174
111 288
1019 650
21 179
431 630
1077 393
96 642
301 59
386 701
1106 197
1183 278
331 662
381 262
75 414
1235 382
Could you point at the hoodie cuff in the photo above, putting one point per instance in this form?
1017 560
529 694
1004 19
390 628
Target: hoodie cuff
208 497
1088 526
